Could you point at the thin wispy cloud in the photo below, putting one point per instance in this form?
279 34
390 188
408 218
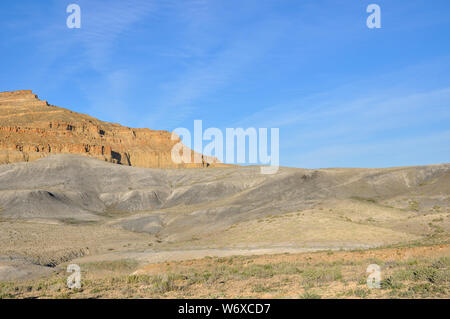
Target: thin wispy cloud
182 96
385 153
91 49
343 124
102 24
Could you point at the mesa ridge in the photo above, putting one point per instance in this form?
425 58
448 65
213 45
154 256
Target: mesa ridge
31 128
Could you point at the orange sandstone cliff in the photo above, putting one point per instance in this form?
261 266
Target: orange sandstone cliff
31 129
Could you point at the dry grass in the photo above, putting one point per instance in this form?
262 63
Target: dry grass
333 224
407 272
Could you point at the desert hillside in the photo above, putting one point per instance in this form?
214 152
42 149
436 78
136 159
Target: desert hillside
32 129
63 207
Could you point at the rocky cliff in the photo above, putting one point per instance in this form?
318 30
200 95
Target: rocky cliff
32 129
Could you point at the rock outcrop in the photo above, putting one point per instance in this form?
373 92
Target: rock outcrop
32 129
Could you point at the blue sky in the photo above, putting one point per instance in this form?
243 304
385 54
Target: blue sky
342 95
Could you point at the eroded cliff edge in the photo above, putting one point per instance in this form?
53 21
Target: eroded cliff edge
31 128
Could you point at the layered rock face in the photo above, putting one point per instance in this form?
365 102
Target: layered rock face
32 129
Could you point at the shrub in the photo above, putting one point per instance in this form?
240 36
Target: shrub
309 295
164 283
320 275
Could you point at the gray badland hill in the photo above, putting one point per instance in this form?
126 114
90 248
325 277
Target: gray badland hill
177 201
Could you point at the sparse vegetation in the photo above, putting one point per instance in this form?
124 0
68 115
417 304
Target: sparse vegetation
309 295
317 275
122 265
413 205
313 275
